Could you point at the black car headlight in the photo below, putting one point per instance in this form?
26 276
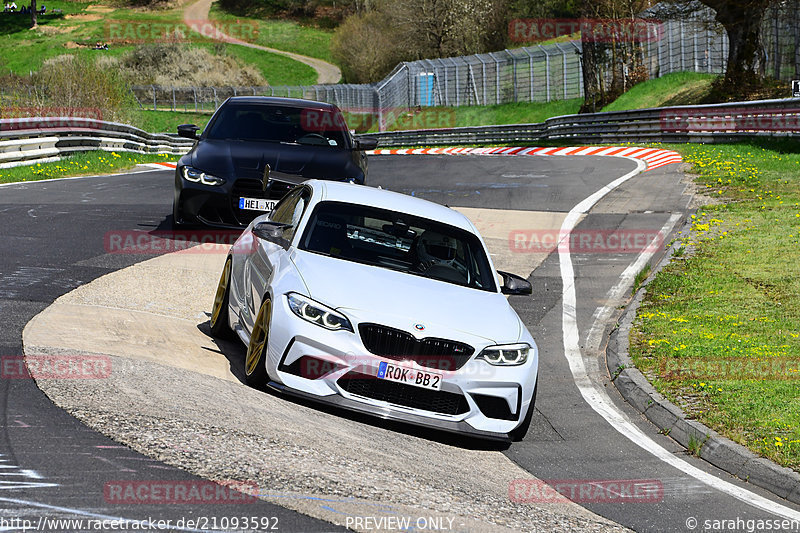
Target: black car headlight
317 313
506 354
198 176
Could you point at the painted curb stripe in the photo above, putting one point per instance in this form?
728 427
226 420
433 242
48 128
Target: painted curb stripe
652 157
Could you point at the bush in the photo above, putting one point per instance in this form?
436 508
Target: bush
77 82
365 47
181 66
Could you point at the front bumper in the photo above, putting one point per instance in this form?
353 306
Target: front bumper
218 206
334 367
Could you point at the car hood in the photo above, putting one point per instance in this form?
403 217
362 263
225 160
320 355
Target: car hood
373 294
245 159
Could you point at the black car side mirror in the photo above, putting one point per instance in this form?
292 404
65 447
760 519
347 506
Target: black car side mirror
513 284
366 143
272 232
188 130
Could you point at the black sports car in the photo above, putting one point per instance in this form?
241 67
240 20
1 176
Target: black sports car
254 150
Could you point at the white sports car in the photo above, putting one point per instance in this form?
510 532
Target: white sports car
380 303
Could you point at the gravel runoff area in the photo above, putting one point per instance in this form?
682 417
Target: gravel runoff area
175 394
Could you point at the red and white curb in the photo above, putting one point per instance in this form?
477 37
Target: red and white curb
160 166
652 157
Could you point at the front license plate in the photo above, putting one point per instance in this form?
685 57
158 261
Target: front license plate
256 204
410 376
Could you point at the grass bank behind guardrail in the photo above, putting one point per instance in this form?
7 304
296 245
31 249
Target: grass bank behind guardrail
719 330
81 164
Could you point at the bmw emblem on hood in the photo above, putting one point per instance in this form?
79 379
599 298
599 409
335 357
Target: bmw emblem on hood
419 327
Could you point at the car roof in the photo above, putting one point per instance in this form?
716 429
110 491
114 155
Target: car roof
371 196
280 101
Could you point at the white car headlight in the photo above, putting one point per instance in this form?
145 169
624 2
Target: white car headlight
198 176
317 313
506 354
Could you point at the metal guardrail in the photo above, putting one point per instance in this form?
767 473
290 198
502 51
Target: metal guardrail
712 123
25 141
31 140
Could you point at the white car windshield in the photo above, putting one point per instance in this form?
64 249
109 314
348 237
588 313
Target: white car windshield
398 241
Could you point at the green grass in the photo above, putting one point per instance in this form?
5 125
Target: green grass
166 121
81 164
24 50
276 69
285 35
678 88
719 330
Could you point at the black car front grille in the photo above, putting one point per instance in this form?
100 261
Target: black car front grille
447 403
430 352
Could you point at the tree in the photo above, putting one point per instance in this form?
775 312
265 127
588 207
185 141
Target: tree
610 62
742 22
33 13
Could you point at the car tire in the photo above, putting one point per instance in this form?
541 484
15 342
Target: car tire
255 363
219 322
519 432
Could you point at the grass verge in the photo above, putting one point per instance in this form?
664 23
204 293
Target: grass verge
719 330
166 121
678 88
81 164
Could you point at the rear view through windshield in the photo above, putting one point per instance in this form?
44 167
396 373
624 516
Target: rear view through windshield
269 123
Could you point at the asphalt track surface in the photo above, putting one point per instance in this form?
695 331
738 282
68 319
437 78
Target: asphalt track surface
52 236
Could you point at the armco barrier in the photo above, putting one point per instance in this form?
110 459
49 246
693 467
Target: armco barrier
711 123
25 141
30 140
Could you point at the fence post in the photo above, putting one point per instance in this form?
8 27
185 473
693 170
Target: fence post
496 78
547 70
458 92
530 71
173 98
155 105
513 71
669 46
194 91
483 77
216 103
680 37
381 127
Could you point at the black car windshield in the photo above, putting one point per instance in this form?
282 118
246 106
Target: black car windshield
398 241
283 124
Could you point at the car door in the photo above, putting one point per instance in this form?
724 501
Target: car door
267 257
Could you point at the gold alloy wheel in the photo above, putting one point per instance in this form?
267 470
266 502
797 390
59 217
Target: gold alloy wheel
258 339
219 297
